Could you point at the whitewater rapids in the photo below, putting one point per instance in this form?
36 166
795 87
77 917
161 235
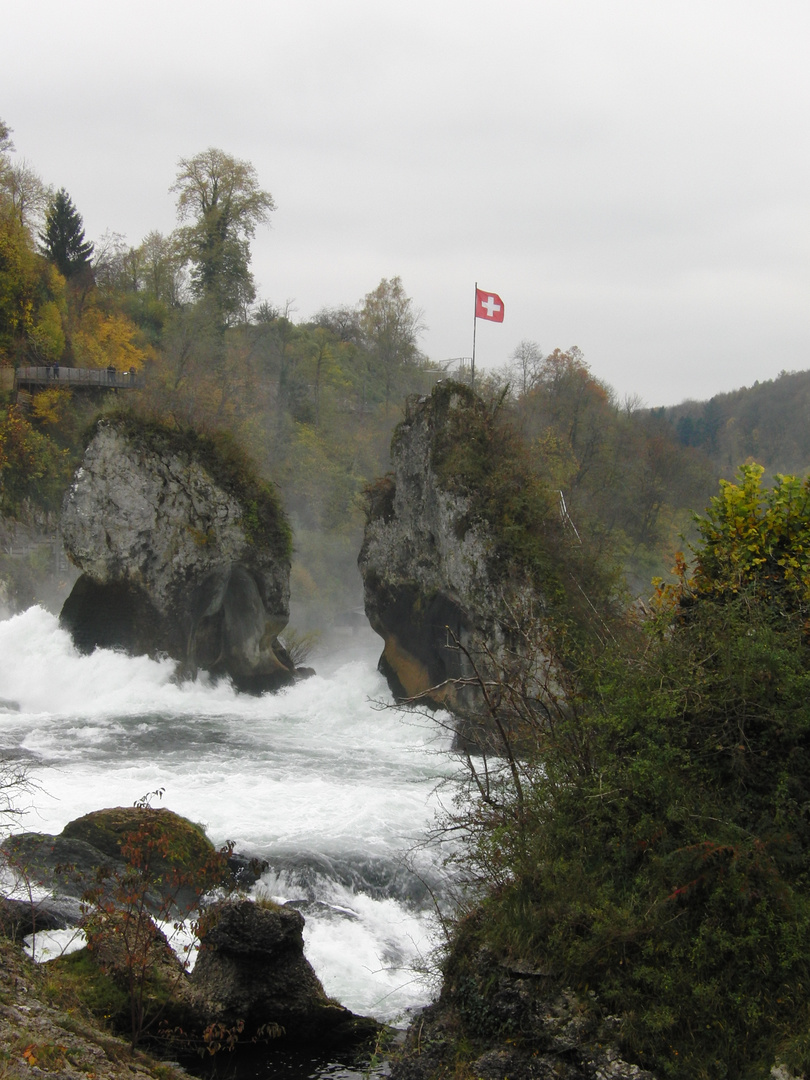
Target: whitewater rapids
331 787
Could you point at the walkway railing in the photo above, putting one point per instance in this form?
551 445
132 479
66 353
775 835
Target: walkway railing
57 375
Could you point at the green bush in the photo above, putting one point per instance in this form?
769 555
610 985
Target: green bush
657 850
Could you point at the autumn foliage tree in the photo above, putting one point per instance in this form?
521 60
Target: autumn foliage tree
32 465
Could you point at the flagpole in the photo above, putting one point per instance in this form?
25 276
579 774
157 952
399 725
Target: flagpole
475 320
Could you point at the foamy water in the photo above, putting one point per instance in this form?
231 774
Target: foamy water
332 789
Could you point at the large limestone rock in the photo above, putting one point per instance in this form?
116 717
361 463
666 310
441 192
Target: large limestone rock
182 552
434 575
508 1021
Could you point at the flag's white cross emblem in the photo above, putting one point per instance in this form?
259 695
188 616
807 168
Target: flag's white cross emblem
491 306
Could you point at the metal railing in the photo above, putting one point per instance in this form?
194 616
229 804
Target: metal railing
56 375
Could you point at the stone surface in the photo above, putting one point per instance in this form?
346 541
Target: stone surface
252 968
427 568
419 577
173 559
513 1024
183 863
42 1036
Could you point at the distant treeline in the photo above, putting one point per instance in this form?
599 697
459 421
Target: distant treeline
766 423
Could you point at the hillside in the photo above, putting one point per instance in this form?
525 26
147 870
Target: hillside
766 423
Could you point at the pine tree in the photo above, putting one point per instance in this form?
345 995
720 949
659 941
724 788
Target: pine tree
63 241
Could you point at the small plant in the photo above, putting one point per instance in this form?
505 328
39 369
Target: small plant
16 783
298 645
122 907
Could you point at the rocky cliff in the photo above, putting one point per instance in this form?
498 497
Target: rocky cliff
445 564
182 551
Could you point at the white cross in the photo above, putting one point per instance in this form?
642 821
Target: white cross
491 306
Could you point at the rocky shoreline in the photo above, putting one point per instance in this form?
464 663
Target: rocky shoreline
44 1031
120 874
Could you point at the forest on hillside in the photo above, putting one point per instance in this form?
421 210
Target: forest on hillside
764 423
313 402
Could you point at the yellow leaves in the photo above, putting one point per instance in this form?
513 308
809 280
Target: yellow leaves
755 535
557 457
669 595
48 406
46 337
104 340
45 1057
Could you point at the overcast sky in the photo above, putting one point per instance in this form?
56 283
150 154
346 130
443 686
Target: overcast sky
631 176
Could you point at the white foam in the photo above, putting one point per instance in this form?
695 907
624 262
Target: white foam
51 944
319 768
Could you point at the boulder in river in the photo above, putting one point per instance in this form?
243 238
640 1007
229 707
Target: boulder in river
178 863
183 551
251 968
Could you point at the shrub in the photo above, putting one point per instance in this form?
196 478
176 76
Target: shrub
168 863
655 844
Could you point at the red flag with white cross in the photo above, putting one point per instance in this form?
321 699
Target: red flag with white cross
488 306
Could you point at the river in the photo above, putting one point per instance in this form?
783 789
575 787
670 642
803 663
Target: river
325 781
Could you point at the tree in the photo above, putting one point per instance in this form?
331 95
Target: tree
391 327
63 241
31 297
19 185
5 138
32 466
343 322
160 269
220 196
29 196
100 340
525 365
6 147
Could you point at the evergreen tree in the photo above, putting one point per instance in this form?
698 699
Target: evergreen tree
63 241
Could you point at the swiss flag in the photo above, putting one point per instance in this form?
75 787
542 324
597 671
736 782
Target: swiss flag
488 306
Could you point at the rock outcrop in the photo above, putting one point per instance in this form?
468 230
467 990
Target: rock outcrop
138 863
42 1033
505 1021
436 573
252 968
182 864
183 552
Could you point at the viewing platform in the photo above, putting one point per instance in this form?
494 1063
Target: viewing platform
34 378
